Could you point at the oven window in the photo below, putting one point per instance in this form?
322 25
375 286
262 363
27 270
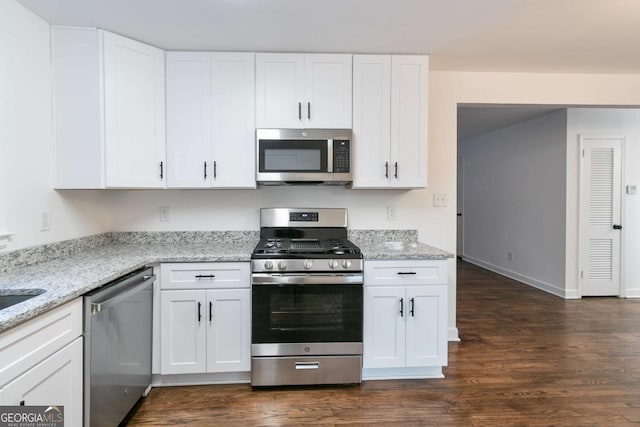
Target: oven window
293 156
306 313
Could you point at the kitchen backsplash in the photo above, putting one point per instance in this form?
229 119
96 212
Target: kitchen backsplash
50 251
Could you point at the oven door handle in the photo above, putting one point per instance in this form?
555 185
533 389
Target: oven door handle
306 279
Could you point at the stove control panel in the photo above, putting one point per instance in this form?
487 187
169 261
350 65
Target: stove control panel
303 216
306 265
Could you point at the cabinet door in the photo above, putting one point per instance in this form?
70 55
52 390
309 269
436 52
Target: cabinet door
57 380
327 100
134 113
229 330
409 116
384 327
183 332
426 326
371 120
279 90
233 82
188 119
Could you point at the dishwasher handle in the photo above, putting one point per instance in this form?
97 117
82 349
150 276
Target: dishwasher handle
97 307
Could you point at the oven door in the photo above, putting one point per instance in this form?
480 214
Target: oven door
294 160
290 309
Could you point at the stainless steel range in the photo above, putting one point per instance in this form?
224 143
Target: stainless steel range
306 299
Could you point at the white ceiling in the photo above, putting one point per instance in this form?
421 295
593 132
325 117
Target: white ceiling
478 120
597 36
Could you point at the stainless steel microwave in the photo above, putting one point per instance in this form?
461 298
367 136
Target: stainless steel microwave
303 156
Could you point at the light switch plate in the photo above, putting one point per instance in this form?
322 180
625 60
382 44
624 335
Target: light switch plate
164 214
440 200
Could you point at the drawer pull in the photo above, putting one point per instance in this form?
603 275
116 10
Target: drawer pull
407 273
205 276
307 365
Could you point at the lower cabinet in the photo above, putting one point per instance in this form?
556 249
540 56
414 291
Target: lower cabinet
41 362
205 330
405 319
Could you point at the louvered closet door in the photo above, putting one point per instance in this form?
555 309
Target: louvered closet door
600 210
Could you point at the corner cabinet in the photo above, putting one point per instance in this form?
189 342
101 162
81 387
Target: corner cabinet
390 117
41 362
303 91
109 109
205 318
210 120
405 319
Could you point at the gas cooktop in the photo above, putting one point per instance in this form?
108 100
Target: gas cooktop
305 248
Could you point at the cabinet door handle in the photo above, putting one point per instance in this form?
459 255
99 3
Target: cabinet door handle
401 307
210 311
309 110
22 403
406 273
617 227
396 173
300 111
412 306
205 170
215 170
161 170
386 169
205 276
199 311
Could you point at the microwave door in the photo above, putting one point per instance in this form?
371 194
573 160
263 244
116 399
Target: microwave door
294 160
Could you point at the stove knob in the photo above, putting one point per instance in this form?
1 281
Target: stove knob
268 265
282 265
346 263
308 264
333 263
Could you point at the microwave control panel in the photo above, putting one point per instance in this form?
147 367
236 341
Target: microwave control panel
341 156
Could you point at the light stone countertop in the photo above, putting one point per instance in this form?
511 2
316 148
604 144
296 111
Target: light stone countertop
67 278
72 275
400 250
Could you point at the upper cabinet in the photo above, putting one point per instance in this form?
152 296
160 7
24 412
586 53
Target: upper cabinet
109 104
303 91
210 120
390 113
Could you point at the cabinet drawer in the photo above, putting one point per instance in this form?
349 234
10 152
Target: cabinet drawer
26 345
210 275
384 273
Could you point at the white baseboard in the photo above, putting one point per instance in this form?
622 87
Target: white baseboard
632 293
538 284
452 334
370 374
200 379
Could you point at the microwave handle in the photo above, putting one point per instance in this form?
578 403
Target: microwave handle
329 155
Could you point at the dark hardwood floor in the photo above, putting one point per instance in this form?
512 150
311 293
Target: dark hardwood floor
526 359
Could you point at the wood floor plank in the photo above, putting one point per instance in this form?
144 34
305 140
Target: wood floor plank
526 358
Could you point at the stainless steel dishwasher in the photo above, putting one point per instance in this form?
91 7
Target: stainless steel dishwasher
117 347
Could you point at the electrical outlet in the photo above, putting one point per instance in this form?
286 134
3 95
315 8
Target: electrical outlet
45 221
391 213
164 213
509 256
440 200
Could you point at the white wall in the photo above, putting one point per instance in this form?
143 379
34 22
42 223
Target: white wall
600 121
514 187
26 146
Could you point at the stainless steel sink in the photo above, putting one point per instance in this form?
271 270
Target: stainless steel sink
14 296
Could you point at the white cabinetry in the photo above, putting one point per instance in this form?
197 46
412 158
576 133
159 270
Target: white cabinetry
41 362
390 115
303 91
109 110
210 120
405 319
205 318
